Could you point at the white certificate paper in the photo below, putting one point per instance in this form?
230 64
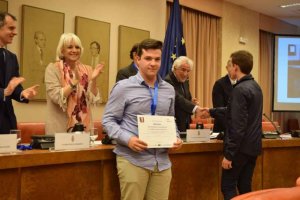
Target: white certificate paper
157 131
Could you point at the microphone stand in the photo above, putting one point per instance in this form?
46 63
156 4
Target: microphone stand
276 128
271 136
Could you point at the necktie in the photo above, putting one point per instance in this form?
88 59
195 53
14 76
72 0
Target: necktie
2 67
182 87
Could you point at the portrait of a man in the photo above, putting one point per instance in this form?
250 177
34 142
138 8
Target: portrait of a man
95 53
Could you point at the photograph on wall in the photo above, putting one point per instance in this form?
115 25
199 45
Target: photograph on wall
3 6
95 38
41 30
129 36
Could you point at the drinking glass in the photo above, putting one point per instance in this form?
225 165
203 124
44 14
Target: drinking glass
18 133
93 135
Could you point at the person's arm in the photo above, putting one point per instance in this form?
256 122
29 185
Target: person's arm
218 95
113 115
95 74
54 89
181 102
238 124
17 91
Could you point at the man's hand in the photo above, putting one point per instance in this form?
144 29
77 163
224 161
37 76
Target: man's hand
195 101
97 70
226 164
13 83
136 144
30 92
177 145
202 113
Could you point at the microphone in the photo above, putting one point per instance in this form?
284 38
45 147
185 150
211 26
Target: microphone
273 124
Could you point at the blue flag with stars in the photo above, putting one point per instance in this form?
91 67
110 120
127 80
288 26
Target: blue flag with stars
174 44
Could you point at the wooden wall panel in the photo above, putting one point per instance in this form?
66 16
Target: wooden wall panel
9 184
64 181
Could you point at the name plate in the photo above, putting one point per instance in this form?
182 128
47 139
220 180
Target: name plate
71 141
8 143
197 135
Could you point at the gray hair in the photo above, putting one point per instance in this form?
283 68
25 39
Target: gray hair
65 40
180 61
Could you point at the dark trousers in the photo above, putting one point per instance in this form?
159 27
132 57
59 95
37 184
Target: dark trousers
239 176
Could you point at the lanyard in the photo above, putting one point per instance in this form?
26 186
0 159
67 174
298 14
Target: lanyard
154 98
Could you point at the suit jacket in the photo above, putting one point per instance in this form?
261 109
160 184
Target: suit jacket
183 104
220 96
126 72
7 116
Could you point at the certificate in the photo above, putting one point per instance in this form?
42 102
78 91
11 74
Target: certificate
157 131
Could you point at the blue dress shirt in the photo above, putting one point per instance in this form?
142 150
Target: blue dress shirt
129 98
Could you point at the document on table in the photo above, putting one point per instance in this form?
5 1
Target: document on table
157 131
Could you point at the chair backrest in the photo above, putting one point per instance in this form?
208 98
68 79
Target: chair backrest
292 124
98 125
30 128
292 193
268 126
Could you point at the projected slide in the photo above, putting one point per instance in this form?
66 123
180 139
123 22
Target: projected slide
286 95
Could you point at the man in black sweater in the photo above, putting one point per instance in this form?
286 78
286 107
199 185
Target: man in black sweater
242 141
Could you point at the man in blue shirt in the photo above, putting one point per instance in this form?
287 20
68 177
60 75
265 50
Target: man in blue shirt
143 173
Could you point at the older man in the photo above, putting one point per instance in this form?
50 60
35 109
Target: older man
184 105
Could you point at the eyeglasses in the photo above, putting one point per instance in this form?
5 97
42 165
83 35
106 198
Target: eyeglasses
184 70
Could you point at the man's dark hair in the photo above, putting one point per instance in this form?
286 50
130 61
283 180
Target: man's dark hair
133 50
244 60
148 44
2 18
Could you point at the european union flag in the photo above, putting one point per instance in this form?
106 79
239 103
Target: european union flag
174 44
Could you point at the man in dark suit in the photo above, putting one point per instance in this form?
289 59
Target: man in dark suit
185 106
131 69
220 96
10 80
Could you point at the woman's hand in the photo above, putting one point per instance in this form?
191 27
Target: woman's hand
97 70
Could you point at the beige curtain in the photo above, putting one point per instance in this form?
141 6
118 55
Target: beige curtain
201 32
266 80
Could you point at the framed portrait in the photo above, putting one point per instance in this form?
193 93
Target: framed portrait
95 39
41 30
3 6
129 36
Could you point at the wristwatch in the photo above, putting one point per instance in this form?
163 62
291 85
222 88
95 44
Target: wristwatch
73 87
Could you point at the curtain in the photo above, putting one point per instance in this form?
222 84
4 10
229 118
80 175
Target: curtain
201 32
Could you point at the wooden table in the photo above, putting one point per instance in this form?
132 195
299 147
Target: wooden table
92 174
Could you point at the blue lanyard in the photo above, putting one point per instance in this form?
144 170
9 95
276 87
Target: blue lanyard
154 98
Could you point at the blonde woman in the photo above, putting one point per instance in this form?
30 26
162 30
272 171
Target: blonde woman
70 87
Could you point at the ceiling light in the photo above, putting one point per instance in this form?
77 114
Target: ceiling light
290 5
